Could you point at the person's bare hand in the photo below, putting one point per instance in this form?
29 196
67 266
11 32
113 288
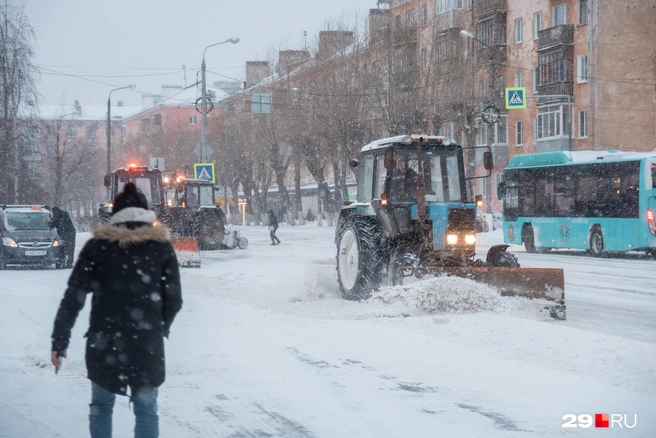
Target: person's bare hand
55 357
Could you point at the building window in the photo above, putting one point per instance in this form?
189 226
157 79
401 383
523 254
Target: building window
518 30
519 134
583 124
157 120
92 131
551 122
447 5
424 58
446 48
193 120
491 33
468 4
410 19
424 14
145 124
582 69
71 131
583 12
537 24
502 131
553 68
261 103
536 79
559 14
518 78
397 22
112 132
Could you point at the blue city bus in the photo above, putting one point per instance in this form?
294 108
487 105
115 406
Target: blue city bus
597 201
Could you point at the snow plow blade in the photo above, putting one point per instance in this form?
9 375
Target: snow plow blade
533 283
187 252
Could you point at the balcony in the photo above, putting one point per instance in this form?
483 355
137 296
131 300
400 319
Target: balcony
405 35
555 36
563 87
453 19
485 7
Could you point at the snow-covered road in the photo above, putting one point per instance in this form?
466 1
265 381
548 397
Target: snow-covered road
265 347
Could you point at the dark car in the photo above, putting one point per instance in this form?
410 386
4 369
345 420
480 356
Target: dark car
27 239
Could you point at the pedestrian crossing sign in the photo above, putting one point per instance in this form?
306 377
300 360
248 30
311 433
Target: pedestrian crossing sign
515 97
204 171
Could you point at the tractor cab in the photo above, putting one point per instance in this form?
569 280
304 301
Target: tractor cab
191 211
189 193
147 179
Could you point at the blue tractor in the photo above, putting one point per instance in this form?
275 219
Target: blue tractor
412 217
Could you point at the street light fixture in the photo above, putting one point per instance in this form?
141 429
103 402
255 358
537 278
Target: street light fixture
203 129
109 129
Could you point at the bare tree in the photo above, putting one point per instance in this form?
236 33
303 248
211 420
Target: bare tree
17 91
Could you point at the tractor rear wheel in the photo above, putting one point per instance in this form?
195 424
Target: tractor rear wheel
209 231
360 257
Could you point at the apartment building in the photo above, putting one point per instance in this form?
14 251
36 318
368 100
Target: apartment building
590 66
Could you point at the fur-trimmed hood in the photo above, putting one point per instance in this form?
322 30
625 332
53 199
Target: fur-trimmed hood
125 236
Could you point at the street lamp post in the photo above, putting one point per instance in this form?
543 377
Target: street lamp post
490 132
109 130
203 128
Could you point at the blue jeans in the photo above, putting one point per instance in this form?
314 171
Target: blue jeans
145 412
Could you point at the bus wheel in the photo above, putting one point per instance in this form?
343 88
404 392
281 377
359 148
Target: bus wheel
596 243
529 239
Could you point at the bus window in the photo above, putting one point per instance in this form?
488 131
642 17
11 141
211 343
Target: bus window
653 176
564 195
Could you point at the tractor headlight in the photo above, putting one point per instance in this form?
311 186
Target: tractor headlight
8 241
452 239
470 239
55 243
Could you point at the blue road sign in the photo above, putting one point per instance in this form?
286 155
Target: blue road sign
204 171
515 97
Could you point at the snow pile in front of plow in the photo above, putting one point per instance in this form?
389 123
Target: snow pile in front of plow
455 295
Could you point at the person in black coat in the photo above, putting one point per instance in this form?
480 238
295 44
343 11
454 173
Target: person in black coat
131 270
273 226
61 220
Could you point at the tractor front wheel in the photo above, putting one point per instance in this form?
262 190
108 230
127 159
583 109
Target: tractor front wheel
209 231
359 257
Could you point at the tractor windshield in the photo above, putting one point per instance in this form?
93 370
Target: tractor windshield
147 183
441 173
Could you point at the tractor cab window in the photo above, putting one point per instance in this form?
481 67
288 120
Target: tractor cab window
405 179
148 184
206 196
193 199
365 178
380 177
441 176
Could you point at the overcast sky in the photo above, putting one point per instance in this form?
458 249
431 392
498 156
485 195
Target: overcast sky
109 44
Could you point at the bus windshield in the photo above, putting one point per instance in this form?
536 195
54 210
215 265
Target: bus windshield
442 177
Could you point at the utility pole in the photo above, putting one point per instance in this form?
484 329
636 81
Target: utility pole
203 128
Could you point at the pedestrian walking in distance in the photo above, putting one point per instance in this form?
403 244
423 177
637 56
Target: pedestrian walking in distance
61 220
273 226
131 270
